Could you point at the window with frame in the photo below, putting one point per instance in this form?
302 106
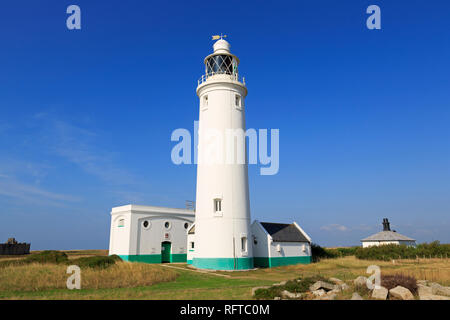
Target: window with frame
205 101
244 244
237 101
192 245
121 223
217 205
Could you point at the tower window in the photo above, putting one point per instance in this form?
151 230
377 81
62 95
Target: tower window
186 225
121 223
205 101
167 225
192 245
244 244
238 100
217 205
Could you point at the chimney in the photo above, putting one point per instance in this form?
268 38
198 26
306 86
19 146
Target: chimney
386 225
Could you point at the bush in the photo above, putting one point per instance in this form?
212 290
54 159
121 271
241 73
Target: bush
298 285
393 251
97 262
391 281
48 256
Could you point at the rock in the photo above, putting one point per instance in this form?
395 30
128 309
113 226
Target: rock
423 290
423 282
277 298
380 293
256 288
336 290
319 293
356 296
401 293
361 281
437 289
433 297
344 286
327 297
321 285
291 295
336 281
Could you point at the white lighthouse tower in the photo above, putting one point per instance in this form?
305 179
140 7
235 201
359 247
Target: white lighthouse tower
222 218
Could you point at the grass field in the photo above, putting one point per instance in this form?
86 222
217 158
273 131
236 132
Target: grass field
178 281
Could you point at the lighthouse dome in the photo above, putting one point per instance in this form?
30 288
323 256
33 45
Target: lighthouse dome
221 46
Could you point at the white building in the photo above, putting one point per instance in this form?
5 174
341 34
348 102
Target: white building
279 244
222 217
387 237
150 234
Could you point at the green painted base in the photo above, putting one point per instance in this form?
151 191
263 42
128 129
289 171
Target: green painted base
223 263
145 258
265 262
152 258
189 262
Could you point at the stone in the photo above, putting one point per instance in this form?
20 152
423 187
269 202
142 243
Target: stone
344 286
277 298
336 281
380 293
361 281
433 297
321 285
424 290
319 293
291 295
401 293
256 288
356 296
328 297
440 290
423 282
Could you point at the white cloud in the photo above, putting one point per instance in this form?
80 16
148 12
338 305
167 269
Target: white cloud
334 227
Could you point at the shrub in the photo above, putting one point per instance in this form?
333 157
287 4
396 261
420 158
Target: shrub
391 281
317 253
269 293
393 251
97 262
298 285
48 256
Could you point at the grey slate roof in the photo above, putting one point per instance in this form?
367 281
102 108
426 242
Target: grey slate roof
387 236
282 232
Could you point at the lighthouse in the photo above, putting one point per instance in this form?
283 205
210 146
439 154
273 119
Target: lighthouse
222 217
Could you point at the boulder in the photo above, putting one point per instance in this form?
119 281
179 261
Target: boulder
282 283
440 290
344 286
423 282
424 290
319 293
321 285
379 293
361 281
401 293
336 281
356 296
327 297
291 295
277 298
433 297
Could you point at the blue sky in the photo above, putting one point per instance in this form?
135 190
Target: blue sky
86 116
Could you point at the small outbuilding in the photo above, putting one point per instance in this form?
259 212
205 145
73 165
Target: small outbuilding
279 244
150 234
387 237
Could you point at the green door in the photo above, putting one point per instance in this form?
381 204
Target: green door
165 252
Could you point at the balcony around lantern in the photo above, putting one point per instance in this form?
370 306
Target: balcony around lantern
221 76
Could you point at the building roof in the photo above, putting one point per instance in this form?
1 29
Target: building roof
283 232
151 209
387 236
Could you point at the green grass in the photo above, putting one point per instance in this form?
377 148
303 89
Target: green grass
188 285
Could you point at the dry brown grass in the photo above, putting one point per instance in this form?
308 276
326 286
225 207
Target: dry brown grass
35 277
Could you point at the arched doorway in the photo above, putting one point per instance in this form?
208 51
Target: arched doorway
165 251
